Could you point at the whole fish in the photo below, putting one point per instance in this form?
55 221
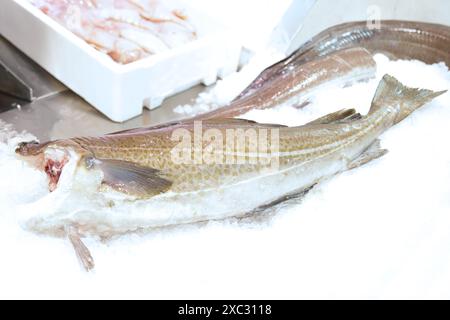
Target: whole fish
295 85
397 39
200 170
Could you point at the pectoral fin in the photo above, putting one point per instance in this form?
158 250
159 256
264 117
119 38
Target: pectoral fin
373 152
82 252
132 179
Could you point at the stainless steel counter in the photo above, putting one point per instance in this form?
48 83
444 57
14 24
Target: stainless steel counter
66 115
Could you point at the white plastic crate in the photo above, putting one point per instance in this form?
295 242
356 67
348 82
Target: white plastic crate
119 91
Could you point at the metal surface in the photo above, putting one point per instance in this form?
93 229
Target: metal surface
8 102
67 115
12 85
22 78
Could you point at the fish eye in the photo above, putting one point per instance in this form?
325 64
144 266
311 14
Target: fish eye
90 162
23 146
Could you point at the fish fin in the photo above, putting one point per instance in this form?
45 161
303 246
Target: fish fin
373 152
301 105
337 117
206 122
285 200
132 179
228 121
145 129
353 117
391 92
266 74
237 121
82 252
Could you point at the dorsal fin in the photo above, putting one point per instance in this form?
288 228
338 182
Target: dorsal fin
145 129
337 117
207 122
238 121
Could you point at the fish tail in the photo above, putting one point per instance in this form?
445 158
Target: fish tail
391 92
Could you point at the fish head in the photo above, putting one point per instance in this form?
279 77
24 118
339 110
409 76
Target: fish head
52 157
30 148
68 185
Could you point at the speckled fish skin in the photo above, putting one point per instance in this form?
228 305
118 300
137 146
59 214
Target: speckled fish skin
339 139
152 148
297 81
397 39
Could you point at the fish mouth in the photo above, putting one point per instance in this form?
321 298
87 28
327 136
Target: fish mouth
53 169
53 165
50 157
50 160
31 148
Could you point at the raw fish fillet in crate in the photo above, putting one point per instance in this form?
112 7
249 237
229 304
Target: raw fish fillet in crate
120 90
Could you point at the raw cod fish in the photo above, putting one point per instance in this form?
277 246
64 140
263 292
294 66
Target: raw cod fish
129 181
396 39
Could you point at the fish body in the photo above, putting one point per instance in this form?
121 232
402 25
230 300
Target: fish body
129 181
294 85
396 39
